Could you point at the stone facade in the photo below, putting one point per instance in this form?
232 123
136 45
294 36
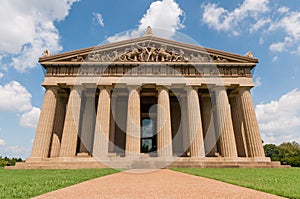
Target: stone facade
147 102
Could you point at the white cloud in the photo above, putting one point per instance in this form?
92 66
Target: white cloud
221 19
27 28
97 17
283 9
31 118
124 36
259 24
277 47
290 24
280 119
163 14
297 52
14 97
15 151
165 17
281 46
2 142
257 82
1 75
257 16
274 59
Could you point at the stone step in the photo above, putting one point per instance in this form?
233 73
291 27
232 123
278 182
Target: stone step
144 161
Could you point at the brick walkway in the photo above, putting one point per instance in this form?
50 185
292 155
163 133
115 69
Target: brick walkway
157 184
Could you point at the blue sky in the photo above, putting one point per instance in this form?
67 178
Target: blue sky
270 29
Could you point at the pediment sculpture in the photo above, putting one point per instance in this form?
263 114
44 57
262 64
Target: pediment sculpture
151 54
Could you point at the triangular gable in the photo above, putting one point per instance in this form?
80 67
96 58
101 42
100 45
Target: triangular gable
148 49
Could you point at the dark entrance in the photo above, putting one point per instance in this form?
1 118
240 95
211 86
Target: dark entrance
148 136
148 125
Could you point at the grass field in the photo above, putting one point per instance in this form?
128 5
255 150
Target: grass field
282 182
29 183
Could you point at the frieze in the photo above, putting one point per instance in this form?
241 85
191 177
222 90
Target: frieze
149 71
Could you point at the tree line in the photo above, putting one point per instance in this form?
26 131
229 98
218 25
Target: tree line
286 153
5 161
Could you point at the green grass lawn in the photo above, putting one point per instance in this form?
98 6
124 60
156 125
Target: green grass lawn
29 183
282 182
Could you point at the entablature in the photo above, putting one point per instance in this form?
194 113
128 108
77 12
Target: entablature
154 70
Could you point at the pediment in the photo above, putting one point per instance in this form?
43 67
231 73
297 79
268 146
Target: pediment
147 49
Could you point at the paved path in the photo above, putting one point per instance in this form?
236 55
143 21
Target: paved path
156 184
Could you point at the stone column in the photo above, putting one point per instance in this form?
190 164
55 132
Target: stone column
164 132
133 128
71 126
88 123
238 125
60 114
255 148
112 131
225 128
101 138
209 132
195 123
184 124
42 141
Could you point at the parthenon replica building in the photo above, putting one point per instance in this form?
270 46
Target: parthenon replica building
147 102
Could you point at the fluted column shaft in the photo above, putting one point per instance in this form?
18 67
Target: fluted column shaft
225 128
42 141
255 148
238 125
60 114
101 138
209 132
88 123
184 124
71 126
164 132
112 130
133 128
195 123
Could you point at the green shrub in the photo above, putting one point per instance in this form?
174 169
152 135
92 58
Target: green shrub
293 161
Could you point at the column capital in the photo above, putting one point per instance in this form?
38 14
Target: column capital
77 87
242 89
134 87
192 87
218 89
107 87
54 89
162 87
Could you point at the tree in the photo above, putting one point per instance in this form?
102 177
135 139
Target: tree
271 150
289 149
286 153
9 161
